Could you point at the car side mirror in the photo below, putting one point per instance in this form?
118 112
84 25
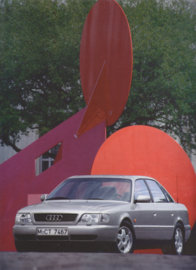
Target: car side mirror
142 199
43 197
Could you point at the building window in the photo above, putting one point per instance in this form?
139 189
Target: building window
46 160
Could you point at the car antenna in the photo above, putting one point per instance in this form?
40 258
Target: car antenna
177 186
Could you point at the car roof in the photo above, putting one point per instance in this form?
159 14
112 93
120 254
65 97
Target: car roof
131 177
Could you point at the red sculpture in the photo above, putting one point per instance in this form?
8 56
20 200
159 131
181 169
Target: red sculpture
106 62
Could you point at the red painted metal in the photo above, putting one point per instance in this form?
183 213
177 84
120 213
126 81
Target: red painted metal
20 186
105 55
100 100
143 150
33 199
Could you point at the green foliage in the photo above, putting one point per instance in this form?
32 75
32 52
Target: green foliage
39 66
163 90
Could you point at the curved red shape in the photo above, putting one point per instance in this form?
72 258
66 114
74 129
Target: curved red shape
106 41
143 150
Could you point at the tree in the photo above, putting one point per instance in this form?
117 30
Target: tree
39 66
163 91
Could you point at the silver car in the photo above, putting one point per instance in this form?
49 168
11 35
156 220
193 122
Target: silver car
119 213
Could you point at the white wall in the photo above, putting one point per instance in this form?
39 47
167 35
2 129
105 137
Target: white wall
7 152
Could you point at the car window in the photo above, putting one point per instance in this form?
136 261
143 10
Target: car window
166 194
64 190
122 188
140 188
93 189
157 194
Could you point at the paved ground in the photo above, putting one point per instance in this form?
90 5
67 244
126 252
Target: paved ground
95 261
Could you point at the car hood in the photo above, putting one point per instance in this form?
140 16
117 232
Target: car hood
73 206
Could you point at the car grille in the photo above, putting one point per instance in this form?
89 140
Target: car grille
78 237
52 238
55 217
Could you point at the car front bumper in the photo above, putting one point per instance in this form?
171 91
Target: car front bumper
98 233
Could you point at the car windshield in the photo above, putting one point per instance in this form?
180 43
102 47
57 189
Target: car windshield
93 189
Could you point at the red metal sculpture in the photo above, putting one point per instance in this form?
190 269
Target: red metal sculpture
106 61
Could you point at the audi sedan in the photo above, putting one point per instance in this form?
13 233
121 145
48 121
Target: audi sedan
119 213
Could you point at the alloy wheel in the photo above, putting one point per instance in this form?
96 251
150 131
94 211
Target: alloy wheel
178 238
124 239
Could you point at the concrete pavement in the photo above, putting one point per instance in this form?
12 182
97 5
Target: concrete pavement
93 261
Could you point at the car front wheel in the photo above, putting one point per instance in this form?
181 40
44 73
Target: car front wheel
125 238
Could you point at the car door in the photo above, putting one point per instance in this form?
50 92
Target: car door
143 212
163 215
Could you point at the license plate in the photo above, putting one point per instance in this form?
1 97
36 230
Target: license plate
52 231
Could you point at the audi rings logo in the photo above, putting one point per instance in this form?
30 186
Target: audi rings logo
54 217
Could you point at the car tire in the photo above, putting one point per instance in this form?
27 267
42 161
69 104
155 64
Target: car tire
125 239
178 240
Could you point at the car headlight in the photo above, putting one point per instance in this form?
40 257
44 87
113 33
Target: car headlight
104 218
90 219
23 219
